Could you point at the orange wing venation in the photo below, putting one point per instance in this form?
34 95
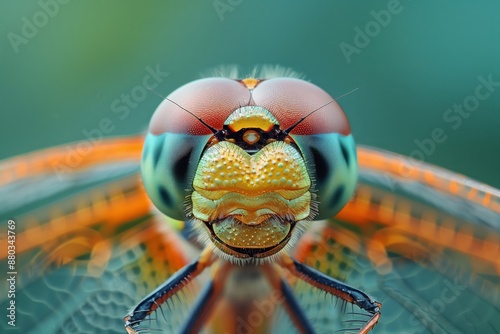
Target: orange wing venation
402 167
85 257
69 158
430 255
395 221
124 200
418 280
72 249
443 218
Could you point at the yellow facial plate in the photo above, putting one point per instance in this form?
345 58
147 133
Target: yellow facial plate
225 167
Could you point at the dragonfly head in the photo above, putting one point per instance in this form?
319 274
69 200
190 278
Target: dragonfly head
251 187
250 161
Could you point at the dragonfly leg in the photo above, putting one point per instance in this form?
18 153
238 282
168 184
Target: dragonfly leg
165 291
336 288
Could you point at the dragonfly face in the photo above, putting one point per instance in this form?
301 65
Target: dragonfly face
253 164
247 151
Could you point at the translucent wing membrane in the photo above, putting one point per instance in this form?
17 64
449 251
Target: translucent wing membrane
408 173
70 158
87 246
425 242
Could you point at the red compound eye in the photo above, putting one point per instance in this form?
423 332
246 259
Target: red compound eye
290 99
212 100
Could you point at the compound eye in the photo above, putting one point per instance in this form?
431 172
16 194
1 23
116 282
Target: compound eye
211 99
291 99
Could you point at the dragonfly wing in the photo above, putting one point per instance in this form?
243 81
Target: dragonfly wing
88 247
421 240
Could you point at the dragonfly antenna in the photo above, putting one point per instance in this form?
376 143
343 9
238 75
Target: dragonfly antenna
198 118
287 131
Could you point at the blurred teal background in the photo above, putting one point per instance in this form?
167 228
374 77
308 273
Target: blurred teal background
62 77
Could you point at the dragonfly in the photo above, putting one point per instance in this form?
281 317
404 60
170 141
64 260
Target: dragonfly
246 208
